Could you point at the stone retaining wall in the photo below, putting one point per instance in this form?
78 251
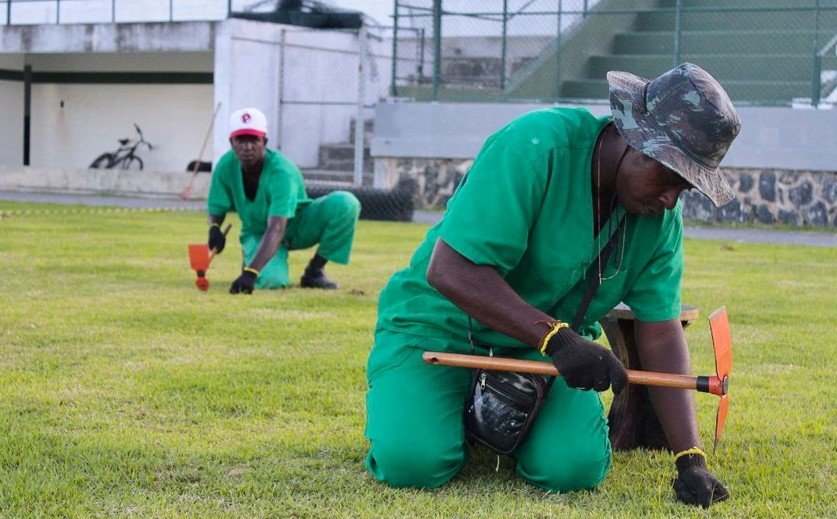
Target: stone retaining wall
762 195
771 196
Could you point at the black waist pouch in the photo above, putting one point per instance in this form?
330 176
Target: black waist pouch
502 406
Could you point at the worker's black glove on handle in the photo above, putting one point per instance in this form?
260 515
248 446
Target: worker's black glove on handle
585 364
245 283
695 485
217 240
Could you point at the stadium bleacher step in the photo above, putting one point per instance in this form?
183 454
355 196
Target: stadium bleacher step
748 42
368 127
341 157
727 67
760 50
766 20
741 4
765 91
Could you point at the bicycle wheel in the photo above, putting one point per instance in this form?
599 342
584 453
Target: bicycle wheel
132 163
105 160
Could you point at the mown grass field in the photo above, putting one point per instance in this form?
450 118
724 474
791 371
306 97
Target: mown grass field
126 392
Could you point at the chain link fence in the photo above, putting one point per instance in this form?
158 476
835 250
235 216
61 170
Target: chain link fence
329 83
479 49
764 52
325 116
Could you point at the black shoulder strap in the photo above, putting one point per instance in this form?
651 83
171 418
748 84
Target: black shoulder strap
593 276
592 284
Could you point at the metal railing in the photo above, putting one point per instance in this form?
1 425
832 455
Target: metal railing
352 103
550 50
99 11
817 79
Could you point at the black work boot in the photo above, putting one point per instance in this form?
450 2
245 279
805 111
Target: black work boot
316 279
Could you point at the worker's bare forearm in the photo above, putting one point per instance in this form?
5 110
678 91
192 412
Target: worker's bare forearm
662 347
482 293
271 240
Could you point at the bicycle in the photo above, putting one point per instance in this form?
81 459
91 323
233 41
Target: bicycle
124 156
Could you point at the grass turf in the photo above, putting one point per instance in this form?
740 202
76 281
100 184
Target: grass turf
126 392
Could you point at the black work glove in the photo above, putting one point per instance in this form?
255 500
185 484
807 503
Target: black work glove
217 240
244 284
585 364
694 484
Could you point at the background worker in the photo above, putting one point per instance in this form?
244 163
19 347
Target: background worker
267 191
506 267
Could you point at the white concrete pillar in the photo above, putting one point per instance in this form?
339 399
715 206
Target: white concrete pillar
223 87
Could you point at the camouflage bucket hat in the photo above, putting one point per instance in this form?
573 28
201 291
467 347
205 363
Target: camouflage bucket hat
683 119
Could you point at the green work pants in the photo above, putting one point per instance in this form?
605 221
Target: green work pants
416 430
328 221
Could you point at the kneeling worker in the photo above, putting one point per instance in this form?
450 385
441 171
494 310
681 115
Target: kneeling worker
267 191
519 253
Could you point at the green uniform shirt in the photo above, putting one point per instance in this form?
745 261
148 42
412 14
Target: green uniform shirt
525 208
281 192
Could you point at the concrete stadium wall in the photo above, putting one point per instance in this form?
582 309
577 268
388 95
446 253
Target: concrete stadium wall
783 164
801 139
107 37
98 181
72 124
173 118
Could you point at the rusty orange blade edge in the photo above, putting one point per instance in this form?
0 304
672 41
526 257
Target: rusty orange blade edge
721 419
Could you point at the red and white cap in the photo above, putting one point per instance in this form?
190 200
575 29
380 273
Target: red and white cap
248 121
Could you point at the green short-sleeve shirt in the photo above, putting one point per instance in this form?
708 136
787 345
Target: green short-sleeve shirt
281 192
525 208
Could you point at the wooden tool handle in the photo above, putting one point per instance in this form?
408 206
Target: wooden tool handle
645 378
187 191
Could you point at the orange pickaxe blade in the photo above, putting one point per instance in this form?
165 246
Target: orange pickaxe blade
199 256
721 419
721 342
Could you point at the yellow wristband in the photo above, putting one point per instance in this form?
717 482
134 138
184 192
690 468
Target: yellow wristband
556 326
251 269
216 224
689 452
